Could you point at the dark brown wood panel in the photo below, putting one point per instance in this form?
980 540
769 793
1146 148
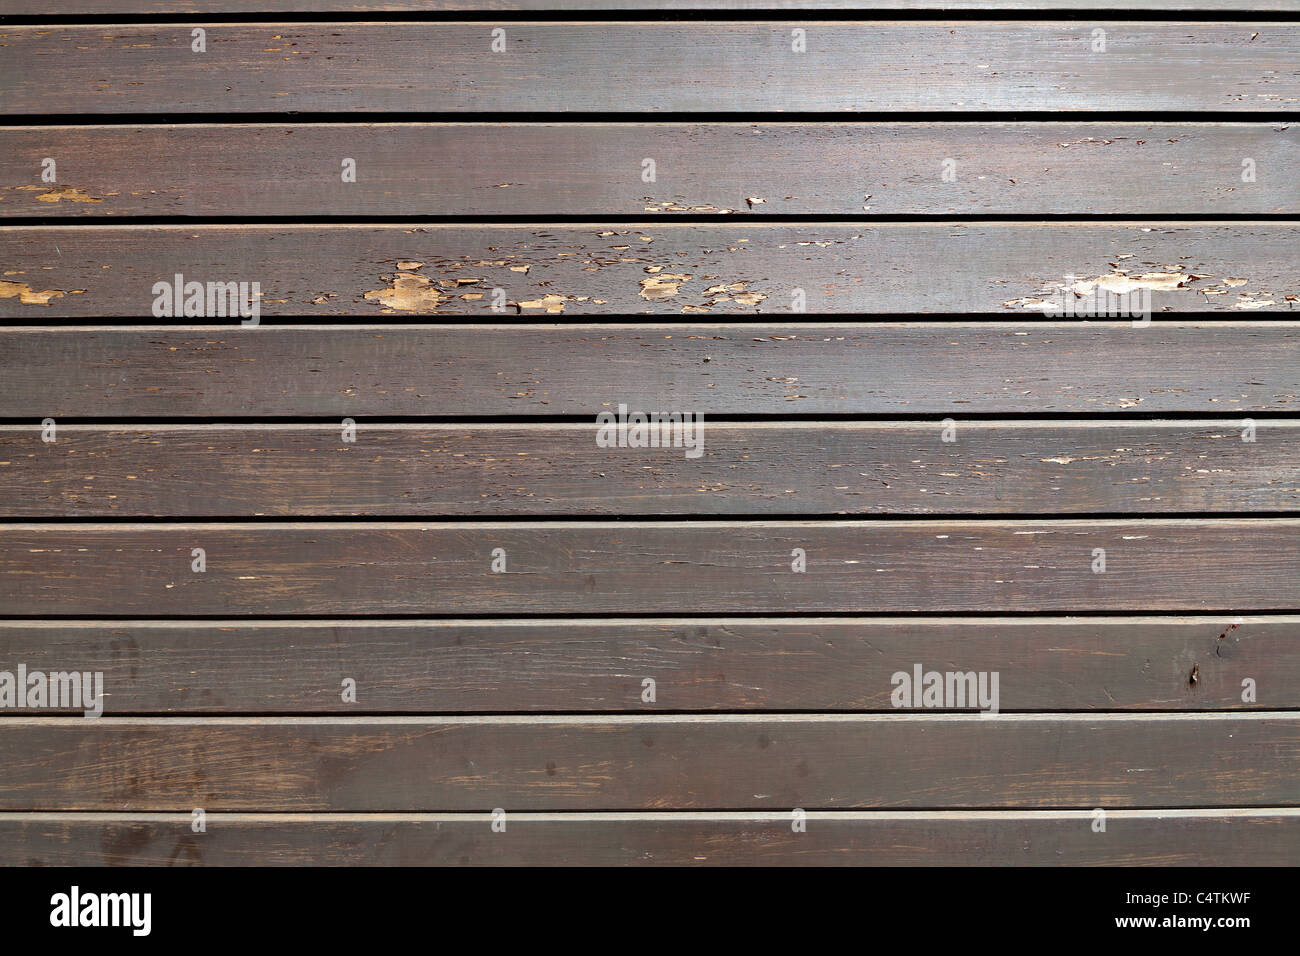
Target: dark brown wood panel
649 67
689 762
1263 837
722 169
805 468
701 567
804 664
108 7
679 268
951 369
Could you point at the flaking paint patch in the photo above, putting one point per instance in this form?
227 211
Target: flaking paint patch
550 302
58 193
408 292
665 285
1121 282
26 294
672 206
1247 300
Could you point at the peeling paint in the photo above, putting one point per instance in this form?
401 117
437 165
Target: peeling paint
26 295
550 302
653 205
1120 282
57 193
408 292
664 286
1027 302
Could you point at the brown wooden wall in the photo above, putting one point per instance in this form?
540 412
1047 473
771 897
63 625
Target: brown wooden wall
361 578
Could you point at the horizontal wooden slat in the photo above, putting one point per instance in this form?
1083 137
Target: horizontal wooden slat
414 67
724 268
805 368
1256 837
689 762
108 7
416 169
701 567
805 468
805 664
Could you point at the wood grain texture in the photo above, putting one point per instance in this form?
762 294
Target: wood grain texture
628 67
700 567
1216 837
109 7
959 368
678 268
728 664
517 169
803 468
692 762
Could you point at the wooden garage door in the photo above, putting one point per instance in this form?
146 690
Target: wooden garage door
649 432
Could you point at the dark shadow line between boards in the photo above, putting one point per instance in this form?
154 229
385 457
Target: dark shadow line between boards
682 617
778 816
1118 418
660 15
641 117
662 518
757 714
639 221
652 321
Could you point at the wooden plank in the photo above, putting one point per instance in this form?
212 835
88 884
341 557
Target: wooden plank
630 67
640 567
726 664
724 268
781 468
959 368
689 762
844 169
1217 837
138 7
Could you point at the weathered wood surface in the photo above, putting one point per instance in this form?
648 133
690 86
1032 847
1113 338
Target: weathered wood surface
678 268
109 7
517 169
689 762
959 368
804 664
1213 837
651 67
803 468
699 567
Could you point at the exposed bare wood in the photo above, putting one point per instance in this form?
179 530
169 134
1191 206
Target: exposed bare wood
1010 268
